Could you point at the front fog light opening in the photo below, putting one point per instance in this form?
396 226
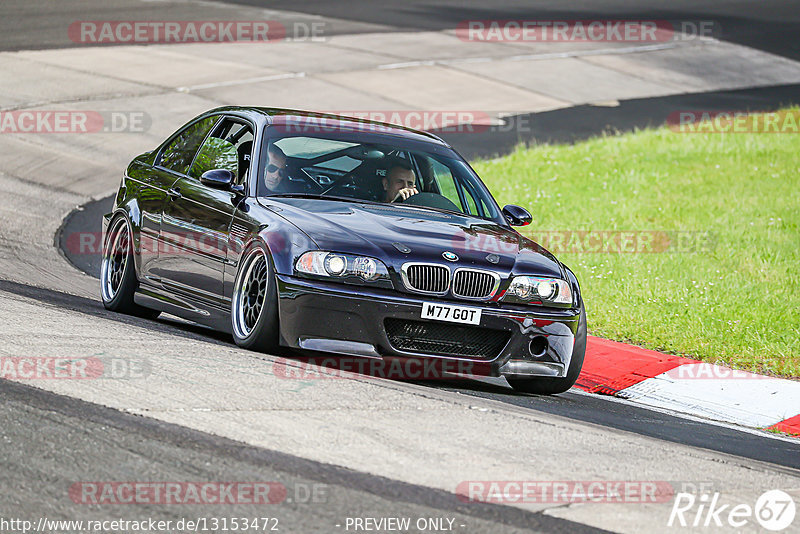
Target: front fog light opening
538 346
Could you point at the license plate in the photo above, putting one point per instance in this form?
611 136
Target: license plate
453 314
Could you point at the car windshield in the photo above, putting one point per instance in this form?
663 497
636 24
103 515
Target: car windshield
365 171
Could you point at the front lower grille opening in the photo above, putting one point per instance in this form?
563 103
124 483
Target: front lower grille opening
445 339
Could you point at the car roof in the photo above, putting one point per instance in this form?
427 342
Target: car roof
300 119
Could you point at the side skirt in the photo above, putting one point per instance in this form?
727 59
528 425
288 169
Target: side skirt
181 306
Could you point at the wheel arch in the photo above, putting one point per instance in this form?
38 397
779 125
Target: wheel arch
131 212
265 334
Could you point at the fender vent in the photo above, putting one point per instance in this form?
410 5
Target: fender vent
238 233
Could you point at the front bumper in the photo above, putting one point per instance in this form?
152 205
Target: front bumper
349 319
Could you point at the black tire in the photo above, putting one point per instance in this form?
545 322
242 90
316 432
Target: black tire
551 386
118 280
254 304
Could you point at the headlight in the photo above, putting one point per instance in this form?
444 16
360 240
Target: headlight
335 265
533 289
342 267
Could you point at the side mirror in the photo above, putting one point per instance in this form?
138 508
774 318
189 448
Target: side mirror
517 216
218 179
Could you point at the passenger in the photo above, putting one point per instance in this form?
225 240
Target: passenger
400 182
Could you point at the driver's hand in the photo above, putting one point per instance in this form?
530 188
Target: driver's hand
405 193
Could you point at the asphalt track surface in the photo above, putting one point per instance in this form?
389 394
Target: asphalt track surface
617 414
772 26
106 442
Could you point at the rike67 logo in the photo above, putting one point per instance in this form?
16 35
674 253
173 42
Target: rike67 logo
774 510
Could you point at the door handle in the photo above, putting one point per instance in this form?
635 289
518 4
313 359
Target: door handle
174 193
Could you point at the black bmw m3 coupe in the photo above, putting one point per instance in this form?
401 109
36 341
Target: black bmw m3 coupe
339 235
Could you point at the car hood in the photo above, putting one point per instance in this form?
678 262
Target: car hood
396 234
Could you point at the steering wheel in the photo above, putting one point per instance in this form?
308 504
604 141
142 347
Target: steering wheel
348 187
300 176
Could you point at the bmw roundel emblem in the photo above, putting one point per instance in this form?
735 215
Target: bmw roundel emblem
449 256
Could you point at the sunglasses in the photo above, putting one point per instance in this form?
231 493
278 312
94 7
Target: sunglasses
274 168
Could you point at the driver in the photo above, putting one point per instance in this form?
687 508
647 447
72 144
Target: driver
275 173
400 182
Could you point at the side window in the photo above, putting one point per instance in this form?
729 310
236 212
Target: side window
228 147
215 153
180 152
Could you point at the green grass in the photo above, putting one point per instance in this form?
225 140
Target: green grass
736 304
780 432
